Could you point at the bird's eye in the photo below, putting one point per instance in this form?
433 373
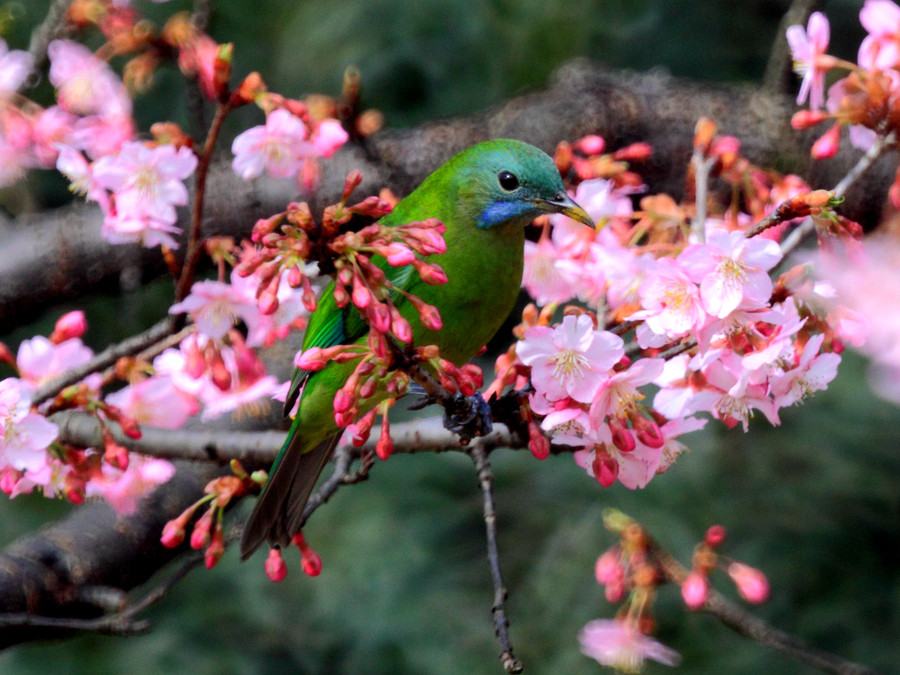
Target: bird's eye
508 181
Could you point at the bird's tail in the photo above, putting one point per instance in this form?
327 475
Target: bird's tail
278 513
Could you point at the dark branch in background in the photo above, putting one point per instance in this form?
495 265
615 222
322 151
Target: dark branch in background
52 27
251 448
779 77
71 569
59 255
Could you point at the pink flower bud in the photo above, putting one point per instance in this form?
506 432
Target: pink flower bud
361 429
827 144
609 568
354 178
6 356
200 535
715 535
636 152
537 442
398 255
173 533
430 317
591 144
432 274
621 435
605 468
647 431
69 325
276 569
751 583
379 314
311 359
385 445
215 549
115 455
400 327
312 563
8 480
804 119
695 590
344 399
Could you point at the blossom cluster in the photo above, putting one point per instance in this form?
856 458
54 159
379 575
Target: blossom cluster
31 457
866 98
712 331
632 570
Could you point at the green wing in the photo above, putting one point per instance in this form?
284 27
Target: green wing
331 325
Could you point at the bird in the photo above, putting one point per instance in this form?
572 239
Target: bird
486 195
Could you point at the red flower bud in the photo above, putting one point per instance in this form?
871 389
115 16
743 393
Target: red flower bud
605 468
804 119
621 435
714 535
537 442
69 325
276 569
200 535
591 145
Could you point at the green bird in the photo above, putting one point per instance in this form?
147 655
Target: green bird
485 196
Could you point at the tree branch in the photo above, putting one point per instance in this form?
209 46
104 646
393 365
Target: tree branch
59 255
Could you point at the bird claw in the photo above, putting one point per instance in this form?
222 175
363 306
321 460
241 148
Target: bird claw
468 416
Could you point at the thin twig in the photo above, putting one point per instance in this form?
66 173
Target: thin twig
498 610
750 626
52 27
201 175
702 167
105 359
808 226
342 459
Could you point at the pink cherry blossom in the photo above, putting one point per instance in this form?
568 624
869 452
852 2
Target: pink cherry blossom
24 435
85 84
123 489
808 48
279 147
102 135
542 277
215 307
879 50
51 128
632 469
619 394
147 181
618 644
328 137
671 302
15 66
74 166
813 373
156 402
732 271
572 359
40 360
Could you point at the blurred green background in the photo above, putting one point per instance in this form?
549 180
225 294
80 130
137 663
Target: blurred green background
405 587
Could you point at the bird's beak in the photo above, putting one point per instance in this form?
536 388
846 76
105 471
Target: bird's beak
566 205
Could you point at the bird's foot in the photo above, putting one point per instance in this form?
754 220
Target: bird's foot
468 417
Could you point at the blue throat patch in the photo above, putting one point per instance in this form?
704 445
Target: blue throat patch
499 212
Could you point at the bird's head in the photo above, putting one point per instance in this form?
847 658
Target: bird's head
507 182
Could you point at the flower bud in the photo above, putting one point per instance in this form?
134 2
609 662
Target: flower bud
751 583
537 442
200 535
215 549
276 569
69 325
715 535
605 468
621 435
695 590
827 144
591 144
